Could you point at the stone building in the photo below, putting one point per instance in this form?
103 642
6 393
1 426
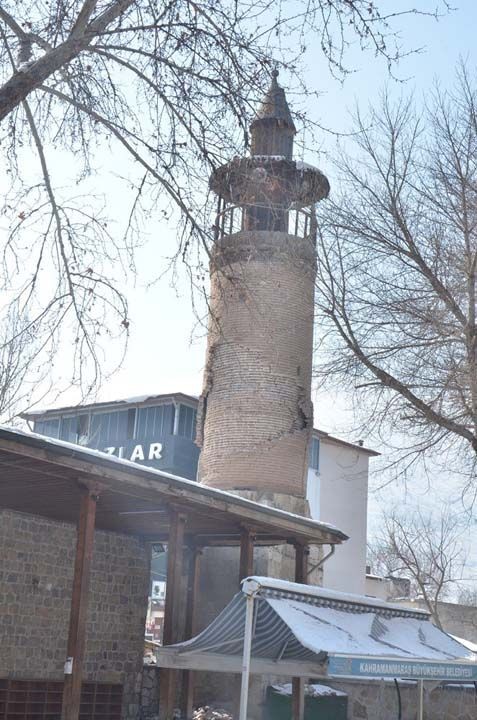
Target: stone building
36 576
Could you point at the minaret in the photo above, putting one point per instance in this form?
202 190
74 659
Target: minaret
256 415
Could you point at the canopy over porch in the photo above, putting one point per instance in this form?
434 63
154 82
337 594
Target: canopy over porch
281 628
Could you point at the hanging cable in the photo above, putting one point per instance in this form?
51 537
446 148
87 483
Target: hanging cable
398 690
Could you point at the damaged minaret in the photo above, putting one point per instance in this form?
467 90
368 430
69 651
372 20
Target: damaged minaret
256 414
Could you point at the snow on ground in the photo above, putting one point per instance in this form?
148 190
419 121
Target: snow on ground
310 690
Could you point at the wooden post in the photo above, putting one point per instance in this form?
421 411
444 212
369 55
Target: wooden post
301 563
298 684
175 554
79 605
246 554
192 594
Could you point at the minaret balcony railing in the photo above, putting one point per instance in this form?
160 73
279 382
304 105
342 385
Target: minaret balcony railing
294 221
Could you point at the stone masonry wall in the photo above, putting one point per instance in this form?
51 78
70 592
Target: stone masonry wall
36 573
375 700
372 700
256 414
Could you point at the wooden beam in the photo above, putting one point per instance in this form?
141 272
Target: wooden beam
246 554
79 605
136 483
298 683
190 628
175 555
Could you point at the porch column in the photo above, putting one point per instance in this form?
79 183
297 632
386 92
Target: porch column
192 594
79 604
246 554
175 555
298 684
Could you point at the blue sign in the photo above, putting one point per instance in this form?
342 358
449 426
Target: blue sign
412 669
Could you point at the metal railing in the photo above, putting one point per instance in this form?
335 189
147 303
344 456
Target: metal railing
231 219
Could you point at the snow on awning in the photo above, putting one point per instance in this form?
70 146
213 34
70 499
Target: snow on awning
318 632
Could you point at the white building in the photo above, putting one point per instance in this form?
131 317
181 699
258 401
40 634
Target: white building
337 493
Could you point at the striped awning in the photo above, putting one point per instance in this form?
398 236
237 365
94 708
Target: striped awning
309 625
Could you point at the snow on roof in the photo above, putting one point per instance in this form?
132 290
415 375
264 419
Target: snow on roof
264 583
339 631
134 400
300 165
466 643
322 435
269 157
81 451
302 626
370 576
314 690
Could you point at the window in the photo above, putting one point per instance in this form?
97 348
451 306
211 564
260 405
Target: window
50 428
83 429
155 422
315 453
42 700
187 421
75 428
131 422
69 429
109 428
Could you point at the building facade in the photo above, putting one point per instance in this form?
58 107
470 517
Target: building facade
159 431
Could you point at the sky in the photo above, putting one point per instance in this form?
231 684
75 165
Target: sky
166 350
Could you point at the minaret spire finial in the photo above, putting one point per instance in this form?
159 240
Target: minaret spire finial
273 128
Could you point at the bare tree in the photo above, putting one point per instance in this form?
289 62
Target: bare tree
425 549
155 83
467 596
24 364
396 290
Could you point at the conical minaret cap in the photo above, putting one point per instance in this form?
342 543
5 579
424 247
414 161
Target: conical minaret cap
273 129
275 106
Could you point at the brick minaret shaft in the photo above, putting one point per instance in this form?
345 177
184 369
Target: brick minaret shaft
256 414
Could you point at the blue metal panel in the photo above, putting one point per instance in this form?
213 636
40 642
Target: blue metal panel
187 421
155 421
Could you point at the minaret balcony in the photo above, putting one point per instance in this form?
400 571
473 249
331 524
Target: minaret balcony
231 219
